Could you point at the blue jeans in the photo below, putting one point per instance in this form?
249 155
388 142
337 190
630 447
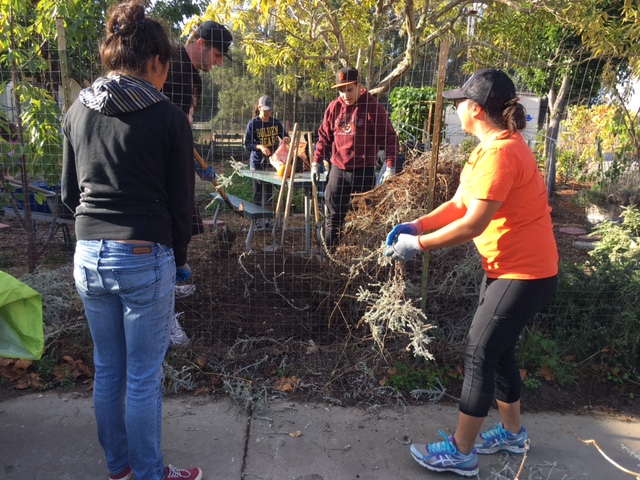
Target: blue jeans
127 292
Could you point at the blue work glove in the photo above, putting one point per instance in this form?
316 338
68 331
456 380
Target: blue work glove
388 172
405 248
410 228
183 272
209 174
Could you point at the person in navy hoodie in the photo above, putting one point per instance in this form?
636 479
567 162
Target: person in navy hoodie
263 136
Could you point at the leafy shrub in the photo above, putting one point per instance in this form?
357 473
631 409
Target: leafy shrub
590 196
597 315
540 355
569 166
410 110
405 379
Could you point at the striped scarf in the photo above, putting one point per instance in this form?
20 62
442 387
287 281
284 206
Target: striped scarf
118 94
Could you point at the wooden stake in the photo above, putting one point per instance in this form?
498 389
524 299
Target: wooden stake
293 147
284 177
314 187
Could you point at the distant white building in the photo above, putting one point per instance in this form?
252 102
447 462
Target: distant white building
453 130
8 107
6 102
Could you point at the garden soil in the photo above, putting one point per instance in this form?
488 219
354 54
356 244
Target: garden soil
345 386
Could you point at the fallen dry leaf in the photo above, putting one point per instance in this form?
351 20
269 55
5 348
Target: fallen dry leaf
546 373
18 371
286 384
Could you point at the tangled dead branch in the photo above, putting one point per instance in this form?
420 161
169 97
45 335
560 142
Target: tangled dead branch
373 291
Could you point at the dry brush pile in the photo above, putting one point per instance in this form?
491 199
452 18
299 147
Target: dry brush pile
342 319
384 296
329 325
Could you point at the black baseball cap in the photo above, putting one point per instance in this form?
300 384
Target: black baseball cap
346 76
488 88
217 35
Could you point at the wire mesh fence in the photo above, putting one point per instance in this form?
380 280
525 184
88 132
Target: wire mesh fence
270 300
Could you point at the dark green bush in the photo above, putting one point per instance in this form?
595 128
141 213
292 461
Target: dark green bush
596 317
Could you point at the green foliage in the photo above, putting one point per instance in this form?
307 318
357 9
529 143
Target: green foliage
597 315
592 131
620 243
45 366
468 145
29 58
569 166
532 383
617 375
429 376
284 37
540 355
41 133
590 196
410 111
175 11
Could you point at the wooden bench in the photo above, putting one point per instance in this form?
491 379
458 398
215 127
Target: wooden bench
248 210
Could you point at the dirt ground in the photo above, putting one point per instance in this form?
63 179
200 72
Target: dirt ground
274 341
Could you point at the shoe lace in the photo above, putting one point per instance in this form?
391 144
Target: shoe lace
173 472
444 446
176 329
496 432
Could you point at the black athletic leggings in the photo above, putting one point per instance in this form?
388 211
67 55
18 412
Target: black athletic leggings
490 366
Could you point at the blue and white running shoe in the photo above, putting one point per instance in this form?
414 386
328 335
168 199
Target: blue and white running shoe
445 457
497 438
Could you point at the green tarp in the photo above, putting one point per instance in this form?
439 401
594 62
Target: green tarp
21 329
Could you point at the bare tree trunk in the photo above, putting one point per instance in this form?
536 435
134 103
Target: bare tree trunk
27 220
557 107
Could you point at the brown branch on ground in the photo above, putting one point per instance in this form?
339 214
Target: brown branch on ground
619 467
527 445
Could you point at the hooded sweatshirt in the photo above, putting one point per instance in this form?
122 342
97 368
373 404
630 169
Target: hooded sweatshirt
127 168
268 134
352 134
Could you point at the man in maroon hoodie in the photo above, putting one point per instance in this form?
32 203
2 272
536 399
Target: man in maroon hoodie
355 127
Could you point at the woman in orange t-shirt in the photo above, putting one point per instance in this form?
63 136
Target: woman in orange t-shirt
501 204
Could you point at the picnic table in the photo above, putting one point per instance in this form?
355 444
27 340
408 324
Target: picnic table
301 180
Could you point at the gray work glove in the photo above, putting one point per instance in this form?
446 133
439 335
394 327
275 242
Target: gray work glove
389 171
314 170
405 248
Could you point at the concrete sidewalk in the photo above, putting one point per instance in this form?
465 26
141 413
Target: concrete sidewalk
52 436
